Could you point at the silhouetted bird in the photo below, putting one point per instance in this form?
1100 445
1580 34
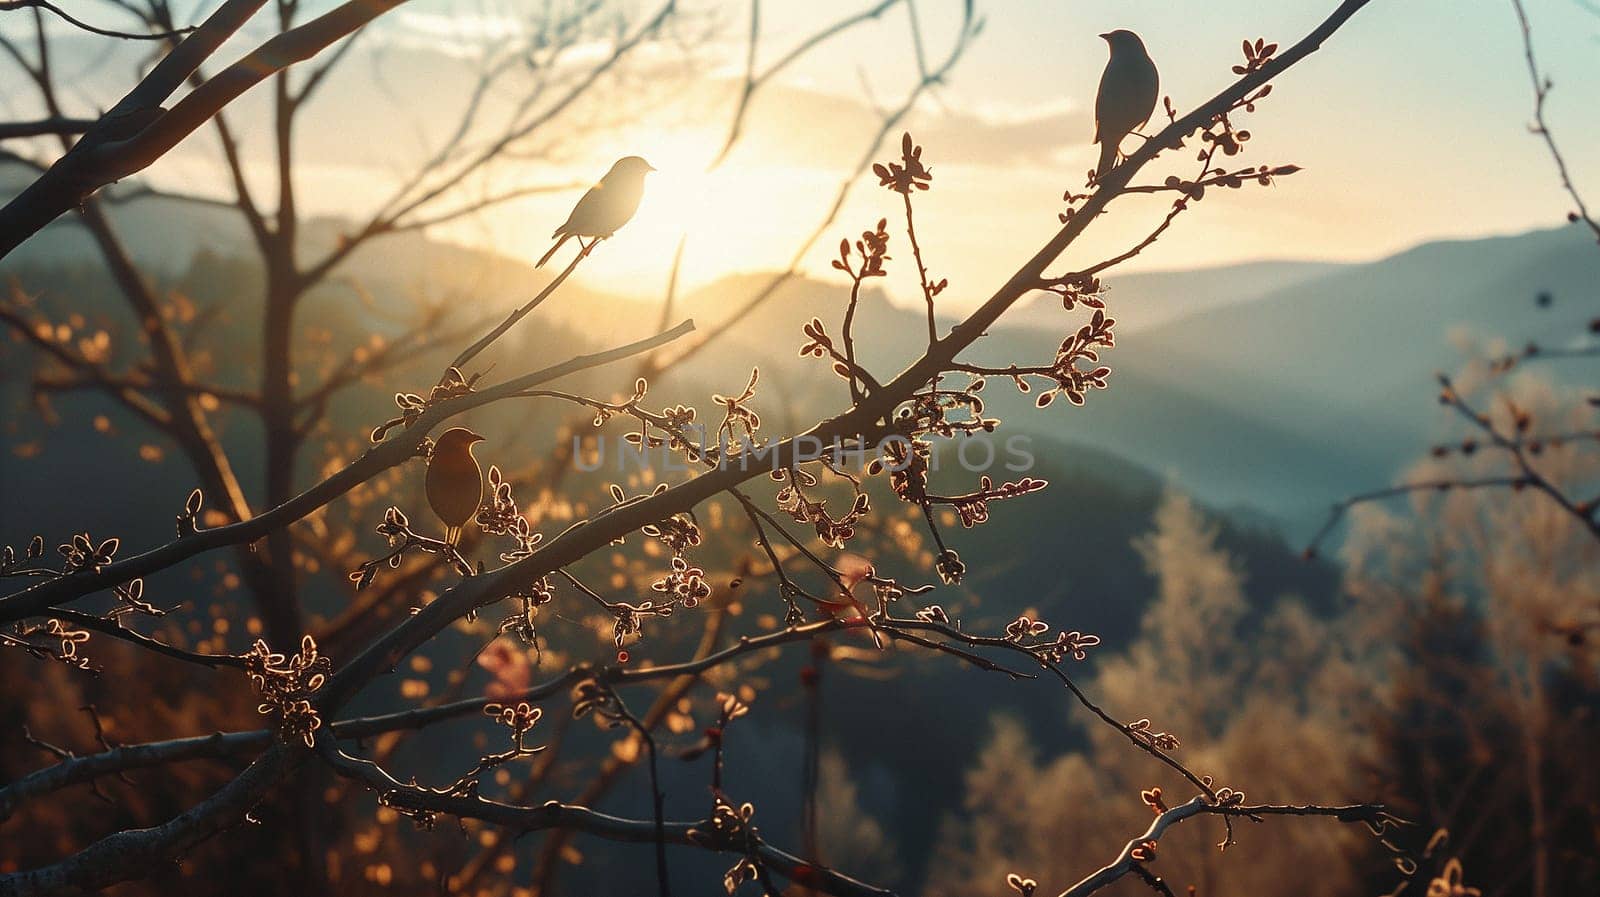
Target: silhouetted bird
455 482
1127 95
607 206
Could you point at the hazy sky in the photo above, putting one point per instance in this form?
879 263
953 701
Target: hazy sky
1410 125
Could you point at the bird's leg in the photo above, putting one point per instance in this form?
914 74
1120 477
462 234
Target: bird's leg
1122 156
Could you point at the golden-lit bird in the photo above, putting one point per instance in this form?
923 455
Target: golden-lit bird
455 482
1127 96
607 206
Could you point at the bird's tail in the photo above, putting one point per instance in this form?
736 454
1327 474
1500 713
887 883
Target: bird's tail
559 243
1108 157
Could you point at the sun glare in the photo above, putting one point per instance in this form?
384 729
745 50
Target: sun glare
737 216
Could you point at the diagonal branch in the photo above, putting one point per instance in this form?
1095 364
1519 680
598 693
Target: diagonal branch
137 132
522 310
865 421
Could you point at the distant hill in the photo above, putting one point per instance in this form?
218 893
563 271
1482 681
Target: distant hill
1357 335
1150 299
1346 360
1295 396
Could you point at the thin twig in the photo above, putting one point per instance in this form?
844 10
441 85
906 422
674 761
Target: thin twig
9 5
1541 91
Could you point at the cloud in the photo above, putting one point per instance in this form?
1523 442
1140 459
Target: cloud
815 128
461 26
1002 135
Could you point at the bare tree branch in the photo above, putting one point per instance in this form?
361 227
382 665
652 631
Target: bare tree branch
137 131
44 127
555 815
129 854
8 5
1541 91
76 770
753 81
1370 814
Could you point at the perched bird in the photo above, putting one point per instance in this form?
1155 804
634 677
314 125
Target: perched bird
1127 95
607 206
455 482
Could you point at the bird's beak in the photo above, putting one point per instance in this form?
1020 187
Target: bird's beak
474 437
1106 36
649 167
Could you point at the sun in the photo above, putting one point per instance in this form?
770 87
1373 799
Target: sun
743 214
